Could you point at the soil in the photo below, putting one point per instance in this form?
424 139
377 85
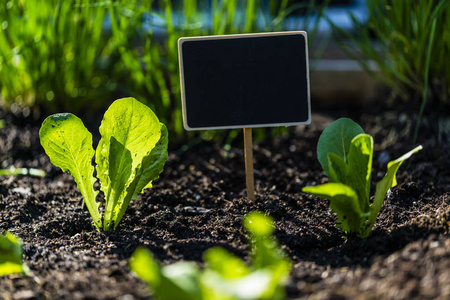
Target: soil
199 202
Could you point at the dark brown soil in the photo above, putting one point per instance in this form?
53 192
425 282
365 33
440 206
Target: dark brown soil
199 202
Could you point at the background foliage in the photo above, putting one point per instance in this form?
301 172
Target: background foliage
409 41
55 55
80 55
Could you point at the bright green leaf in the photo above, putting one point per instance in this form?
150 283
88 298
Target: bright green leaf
359 169
120 163
152 165
133 130
336 138
385 184
68 143
130 155
356 172
337 168
343 201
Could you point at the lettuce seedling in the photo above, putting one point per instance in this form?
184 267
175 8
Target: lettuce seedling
345 153
11 255
131 154
225 277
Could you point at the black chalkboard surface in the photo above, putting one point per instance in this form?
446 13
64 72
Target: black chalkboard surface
245 80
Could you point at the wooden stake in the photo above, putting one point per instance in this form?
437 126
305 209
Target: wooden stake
248 149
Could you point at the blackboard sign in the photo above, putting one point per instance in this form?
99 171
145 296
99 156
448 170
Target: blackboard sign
244 80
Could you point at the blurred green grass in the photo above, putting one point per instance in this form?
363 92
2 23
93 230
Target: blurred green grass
409 41
80 55
55 55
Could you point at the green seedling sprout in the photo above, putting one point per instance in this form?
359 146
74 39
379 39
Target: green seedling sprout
225 277
11 255
22 171
130 155
345 153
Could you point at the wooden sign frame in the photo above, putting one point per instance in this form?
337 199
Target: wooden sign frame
276 54
304 115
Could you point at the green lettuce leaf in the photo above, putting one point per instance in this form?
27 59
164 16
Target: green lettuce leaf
336 138
68 143
356 172
344 202
346 155
360 158
152 165
129 130
130 155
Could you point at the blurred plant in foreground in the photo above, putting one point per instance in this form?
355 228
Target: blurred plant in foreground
11 255
225 277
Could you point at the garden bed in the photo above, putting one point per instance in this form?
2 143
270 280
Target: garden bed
199 202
